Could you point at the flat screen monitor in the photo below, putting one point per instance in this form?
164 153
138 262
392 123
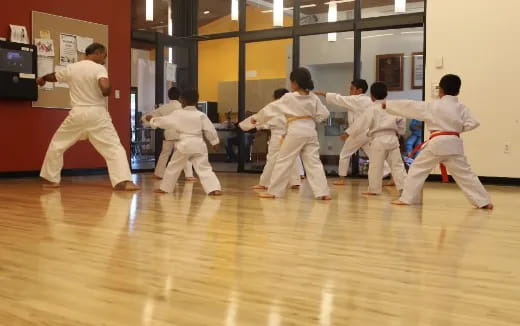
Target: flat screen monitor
16 61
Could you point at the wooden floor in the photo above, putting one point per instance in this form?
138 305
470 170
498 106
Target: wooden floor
85 255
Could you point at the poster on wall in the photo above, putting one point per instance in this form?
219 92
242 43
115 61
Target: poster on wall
19 34
68 49
45 47
389 69
45 67
83 43
417 70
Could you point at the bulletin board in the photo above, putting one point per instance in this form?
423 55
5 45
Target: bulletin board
56 25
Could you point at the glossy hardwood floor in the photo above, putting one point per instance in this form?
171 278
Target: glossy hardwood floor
84 255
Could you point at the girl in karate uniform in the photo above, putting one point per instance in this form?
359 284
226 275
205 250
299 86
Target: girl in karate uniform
446 119
303 110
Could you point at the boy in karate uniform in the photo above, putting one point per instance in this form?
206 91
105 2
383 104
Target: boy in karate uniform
191 126
303 110
383 130
169 135
278 128
446 119
355 105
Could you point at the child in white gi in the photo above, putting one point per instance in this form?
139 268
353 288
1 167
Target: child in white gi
383 130
446 119
169 135
303 110
191 126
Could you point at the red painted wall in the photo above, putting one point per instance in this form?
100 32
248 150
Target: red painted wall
25 132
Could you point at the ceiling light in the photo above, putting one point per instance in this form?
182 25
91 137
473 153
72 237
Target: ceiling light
400 6
206 12
149 10
278 13
234 9
333 17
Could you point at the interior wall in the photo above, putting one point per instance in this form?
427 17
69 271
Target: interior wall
27 131
475 43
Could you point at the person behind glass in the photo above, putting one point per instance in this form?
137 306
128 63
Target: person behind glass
415 138
234 141
278 128
169 135
303 110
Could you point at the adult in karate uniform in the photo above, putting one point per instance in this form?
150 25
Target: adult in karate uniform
355 105
191 126
446 119
88 119
383 130
169 135
303 110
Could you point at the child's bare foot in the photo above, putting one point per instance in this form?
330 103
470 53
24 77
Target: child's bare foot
215 193
259 187
126 186
399 203
390 183
157 177
51 185
302 177
367 193
191 179
325 198
340 182
160 191
488 207
295 187
267 195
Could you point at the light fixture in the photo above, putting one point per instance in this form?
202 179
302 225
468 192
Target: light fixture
290 8
170 32
234 9
333 17
278 13
206 12
400 6
149 10
339 1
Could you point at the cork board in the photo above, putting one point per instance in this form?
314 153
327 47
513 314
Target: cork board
56 25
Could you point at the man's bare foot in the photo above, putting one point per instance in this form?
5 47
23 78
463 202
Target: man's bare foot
267 195
325 198
340 182
295 187
488 207
302 177
191 179
157 177
215 193
127 186
160 191
259 187
399 203
390 183
51 185
367 193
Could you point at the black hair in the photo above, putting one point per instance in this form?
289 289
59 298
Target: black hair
279 93
303 78
379 91
450 84
174 93
360 83
95 47
190 96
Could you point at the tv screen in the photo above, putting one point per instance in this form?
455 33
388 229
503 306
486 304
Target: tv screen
16 61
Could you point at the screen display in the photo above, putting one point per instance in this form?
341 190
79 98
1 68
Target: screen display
16 61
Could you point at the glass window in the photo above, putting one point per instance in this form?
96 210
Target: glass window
161 18
312 12
332 66
268 65
378 8
218 88
218 16
266 14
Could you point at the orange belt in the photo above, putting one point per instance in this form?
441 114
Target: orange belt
444 171
292 119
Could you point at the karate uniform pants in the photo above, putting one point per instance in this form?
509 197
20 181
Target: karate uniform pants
207 177
272 155
167 150
458 168
351 146
94 124
380 151
309 149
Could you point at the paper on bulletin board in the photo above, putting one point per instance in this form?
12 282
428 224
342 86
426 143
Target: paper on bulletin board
171 72
68 49
19 34
83 43
45 67
45 47
45 33
58 84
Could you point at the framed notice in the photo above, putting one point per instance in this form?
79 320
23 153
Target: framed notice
417 70
389 69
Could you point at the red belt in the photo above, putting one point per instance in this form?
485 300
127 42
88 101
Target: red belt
444 171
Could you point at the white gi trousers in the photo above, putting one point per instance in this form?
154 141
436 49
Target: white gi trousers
351 146
167 149
385 148
272 155
92 123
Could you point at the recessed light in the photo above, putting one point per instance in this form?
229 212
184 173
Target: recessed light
206 12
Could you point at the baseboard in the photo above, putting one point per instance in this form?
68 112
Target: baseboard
499 181
66 172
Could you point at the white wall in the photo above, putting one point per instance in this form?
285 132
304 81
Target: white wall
478 43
